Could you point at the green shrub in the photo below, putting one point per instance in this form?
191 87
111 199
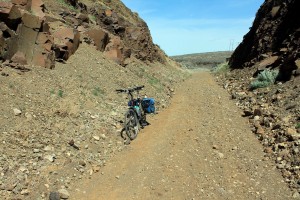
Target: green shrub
52 92
264 79
153 81
60 93
64 4
222 68
97 91
297 125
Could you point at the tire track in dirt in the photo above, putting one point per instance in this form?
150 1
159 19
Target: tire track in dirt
198 148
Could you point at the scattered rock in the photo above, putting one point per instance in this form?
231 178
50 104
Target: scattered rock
296 195
103 136
54 196
17 112
220 155
63 194
95 168
257 112
82 163
49 157
25 192
97 138
19 58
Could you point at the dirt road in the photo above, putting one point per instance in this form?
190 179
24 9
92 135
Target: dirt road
198 148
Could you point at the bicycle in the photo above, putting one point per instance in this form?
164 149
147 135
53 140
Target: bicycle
135 116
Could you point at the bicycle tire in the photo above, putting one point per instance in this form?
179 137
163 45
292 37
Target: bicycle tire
131 124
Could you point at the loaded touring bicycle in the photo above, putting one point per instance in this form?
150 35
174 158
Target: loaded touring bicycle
135 116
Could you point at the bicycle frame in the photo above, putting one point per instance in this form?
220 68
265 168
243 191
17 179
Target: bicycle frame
135 113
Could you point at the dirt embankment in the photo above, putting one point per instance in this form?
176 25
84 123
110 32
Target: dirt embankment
57 126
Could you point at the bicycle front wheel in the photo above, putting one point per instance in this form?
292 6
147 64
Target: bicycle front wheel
131 124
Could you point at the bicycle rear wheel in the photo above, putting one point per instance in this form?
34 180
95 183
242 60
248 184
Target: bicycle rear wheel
131 124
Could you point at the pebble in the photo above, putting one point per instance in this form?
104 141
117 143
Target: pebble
221 155
296 195
63 193
28 116
256 118
103 136
97 138
49 157
82 163
54 196
25 192
36 150
17 112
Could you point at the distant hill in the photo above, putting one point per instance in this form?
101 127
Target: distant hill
202 60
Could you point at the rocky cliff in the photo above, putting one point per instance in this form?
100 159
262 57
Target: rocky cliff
39 32
273 40
271 46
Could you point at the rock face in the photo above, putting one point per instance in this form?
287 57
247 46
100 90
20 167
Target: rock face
273 110
275 33
273 114
27 28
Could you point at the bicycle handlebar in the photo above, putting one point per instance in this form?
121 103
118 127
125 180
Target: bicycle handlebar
129 90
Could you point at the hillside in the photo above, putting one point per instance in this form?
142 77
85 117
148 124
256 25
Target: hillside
202 60
60 115
264 81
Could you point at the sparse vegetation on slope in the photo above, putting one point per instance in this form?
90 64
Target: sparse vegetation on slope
208 60
264 79
68 120
271 43
221 68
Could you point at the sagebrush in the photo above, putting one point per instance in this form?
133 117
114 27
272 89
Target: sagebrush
264 79
221 68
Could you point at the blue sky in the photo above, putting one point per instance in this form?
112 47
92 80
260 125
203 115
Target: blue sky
195 26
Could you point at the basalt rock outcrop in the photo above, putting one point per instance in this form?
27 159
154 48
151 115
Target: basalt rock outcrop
40 33
273 40
273 110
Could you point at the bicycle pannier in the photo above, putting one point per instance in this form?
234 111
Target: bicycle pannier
148 105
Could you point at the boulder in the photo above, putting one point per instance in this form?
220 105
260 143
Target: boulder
19 58
66 42
44 60
99 37
113 50
37 7
5 8
274 11
15 13
32 21
30 43
267 62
